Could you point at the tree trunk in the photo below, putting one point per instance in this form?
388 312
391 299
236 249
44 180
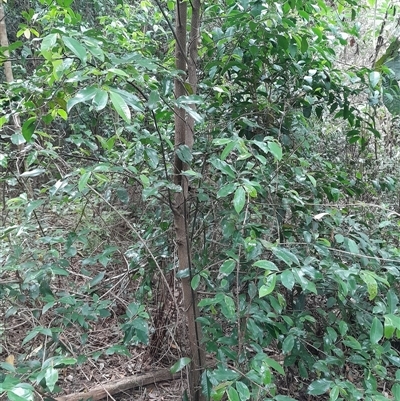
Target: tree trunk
10 78
184 135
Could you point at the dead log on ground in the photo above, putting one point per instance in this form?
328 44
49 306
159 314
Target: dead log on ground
117 386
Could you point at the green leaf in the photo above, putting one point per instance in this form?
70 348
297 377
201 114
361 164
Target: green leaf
304 44
372 285
120 106
100 100
226 190
319 387
154 98
195 281
228 307
334 393
288 344
275 365
82 184
184 153
266 265
284 398
233 394
286 256
51 377
376 331
224 167
239 199
227 268
276 149
206 385
287 279
21 393
28 128
33 173
243 391
227 150
76 48
267 288
180 364
48 42
82 96
351 246
374 78
96 280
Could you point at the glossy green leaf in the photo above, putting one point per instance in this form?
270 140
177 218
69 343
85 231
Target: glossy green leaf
376 331
226 190
287 279
239 199
267 288
288 344
266 265
284 398
275 365
286 256
334 393
276 149
233 394
224 167
100 99
227 268
195 281
184 153
372 285
48 42
154 98
374 78
351 246
243 391
319 387
28 128
180 364
82 184
82 96
76 48
120 106
51 377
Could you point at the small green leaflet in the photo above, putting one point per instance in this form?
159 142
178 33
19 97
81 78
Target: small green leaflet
76 48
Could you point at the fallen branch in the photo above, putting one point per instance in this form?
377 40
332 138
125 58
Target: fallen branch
116 386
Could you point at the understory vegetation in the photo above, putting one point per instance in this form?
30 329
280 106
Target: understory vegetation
207 187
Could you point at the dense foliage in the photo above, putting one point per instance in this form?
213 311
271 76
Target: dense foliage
291 209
